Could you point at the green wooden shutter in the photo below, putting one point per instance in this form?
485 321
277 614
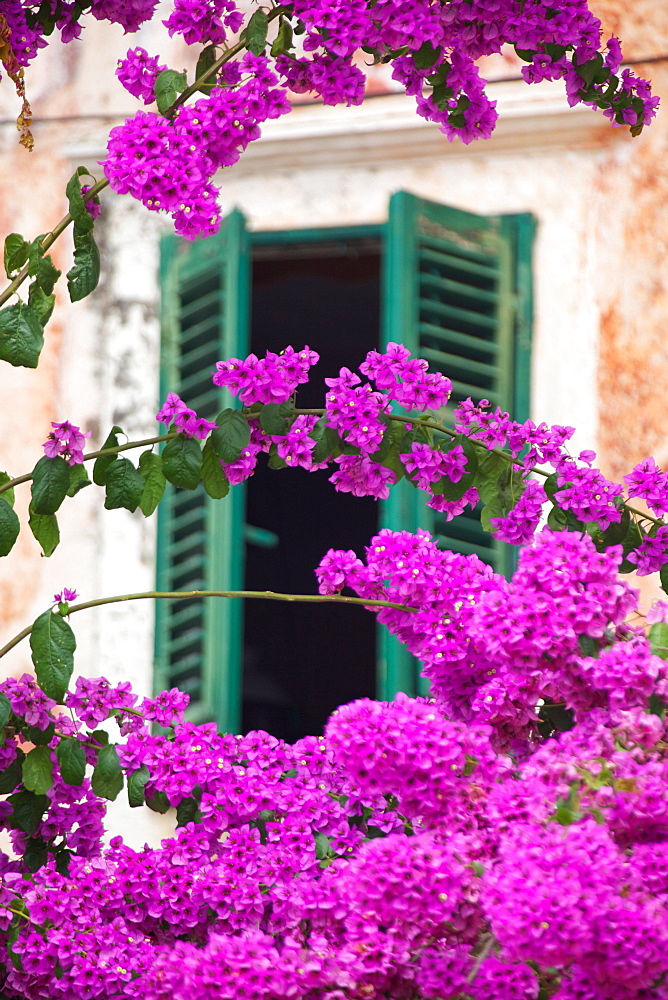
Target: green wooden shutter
457 293
205 297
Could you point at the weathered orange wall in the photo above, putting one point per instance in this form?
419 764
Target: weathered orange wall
633 374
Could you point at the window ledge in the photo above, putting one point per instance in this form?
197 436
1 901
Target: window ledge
387 127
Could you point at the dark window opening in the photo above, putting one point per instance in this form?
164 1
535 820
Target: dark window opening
302 660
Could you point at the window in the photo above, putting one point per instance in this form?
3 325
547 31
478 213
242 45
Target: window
456 289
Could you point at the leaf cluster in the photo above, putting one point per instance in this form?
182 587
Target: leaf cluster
22 324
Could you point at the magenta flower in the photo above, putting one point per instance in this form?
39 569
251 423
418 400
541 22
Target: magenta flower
174 411
65 597
66 440
138 73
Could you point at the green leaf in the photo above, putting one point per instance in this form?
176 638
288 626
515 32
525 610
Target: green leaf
663 577
12 937
9 527
168 85
490 468
41 267
448 489
150 469
84 275
187 811
100 736
207 58
158 802
632 540
322 846
136 785
182 462
78 479
441 94
124 486
472 453
589 646
425 56
50 483
5 712
104 461
273 418
214 480
283 41
566 814
41 303
7 495
327 441
591 70
52 644
107 779
45 529
656 706
554 51
511 485
40 737
658 639
274 460
16 253
12 775
27 811
396 442
62 857
231 436
36 854
38 770
254 35
557 519
494 508
615 533
72 761
551 487
82 217
21 336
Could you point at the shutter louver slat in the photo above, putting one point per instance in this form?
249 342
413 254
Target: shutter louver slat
469 345
450 297
464 274
197 642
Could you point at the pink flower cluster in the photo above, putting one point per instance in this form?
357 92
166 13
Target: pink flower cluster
428 848
433 51
67 441
494 649
272 379
354 410
406 380
169 165
206 21
138 73
175 412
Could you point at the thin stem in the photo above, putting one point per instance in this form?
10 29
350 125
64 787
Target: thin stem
112 450
100 185
481 956
511 459
179 595
49 240
226 56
